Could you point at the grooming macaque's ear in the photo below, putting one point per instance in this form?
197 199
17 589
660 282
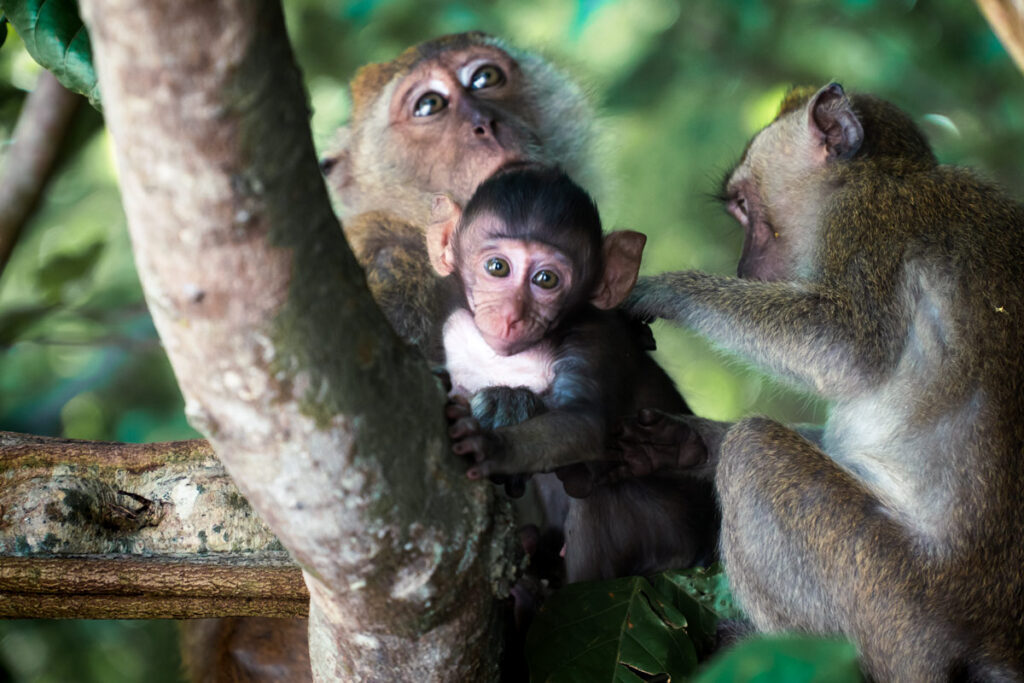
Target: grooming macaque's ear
444 218
833 121
623 250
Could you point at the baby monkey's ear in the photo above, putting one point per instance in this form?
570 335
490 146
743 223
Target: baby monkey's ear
623 250
445 214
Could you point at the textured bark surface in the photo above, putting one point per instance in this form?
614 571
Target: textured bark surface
330 426
62 497
107 530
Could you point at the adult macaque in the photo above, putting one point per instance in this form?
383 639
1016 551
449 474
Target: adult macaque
894 287
532 282
439 118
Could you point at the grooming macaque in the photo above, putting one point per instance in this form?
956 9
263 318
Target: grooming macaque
441 117
533 282
894 287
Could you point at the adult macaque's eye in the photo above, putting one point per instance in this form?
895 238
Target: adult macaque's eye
429 104
545 279
486 76
498 267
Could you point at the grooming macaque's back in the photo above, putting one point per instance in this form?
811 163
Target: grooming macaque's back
894 287
531 280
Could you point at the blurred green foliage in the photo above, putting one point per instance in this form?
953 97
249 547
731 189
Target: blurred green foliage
681 87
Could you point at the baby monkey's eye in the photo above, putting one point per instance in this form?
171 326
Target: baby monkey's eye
486 76
498 267
545 279
429 104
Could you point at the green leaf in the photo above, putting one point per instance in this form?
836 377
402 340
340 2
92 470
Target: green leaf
3 30
617 631
56 38
785 659
708 585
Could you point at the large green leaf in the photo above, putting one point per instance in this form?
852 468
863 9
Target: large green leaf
785 659
616 631
56 38
708 585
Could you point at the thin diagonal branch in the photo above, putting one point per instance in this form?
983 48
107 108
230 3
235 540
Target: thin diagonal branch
42 124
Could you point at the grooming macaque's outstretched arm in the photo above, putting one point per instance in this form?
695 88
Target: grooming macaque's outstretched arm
799 331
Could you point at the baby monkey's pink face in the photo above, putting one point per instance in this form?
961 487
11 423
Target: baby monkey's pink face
516 289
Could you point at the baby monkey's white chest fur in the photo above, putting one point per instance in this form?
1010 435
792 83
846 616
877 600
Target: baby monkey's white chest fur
473 365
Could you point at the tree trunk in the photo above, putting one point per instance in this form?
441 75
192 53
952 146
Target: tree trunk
330 426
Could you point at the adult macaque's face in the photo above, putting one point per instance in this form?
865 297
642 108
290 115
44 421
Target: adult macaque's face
461 116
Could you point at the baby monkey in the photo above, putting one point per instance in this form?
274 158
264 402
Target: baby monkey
533 282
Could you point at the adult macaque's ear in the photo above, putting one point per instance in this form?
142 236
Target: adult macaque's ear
833 122
444 218
623 250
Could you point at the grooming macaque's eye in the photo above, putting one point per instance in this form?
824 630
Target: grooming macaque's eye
498 267
737 206
545 279
429 104
486 77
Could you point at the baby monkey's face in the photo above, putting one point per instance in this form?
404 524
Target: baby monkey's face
516 289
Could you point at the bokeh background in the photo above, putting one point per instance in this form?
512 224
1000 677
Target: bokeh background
680 86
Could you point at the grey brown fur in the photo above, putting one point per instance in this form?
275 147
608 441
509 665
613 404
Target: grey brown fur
893 286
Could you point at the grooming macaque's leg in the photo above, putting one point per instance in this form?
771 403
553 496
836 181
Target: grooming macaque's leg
841 567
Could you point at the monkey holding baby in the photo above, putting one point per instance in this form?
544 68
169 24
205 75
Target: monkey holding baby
893 286
440 118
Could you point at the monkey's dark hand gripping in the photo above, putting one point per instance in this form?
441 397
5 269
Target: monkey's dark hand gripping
481 446
654 441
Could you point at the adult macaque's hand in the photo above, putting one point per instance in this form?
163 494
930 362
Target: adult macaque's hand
655 441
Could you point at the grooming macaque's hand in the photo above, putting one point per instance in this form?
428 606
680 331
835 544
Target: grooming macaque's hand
654 441
664 296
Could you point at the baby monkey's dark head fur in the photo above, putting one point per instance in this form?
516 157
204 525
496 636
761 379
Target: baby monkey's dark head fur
542 204
529 253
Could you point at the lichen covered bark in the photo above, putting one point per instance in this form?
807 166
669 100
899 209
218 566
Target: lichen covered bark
330 425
